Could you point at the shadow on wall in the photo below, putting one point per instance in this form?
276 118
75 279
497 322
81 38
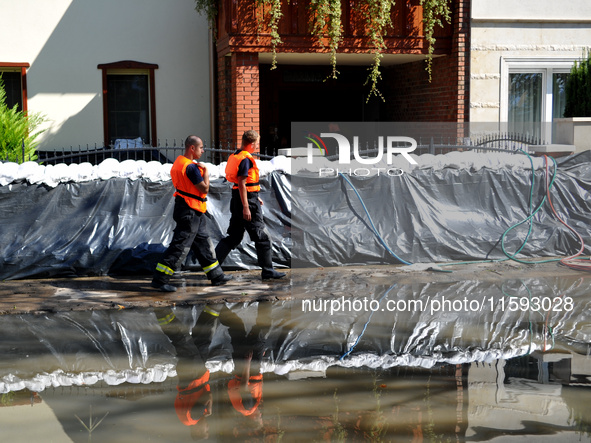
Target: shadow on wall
64 75
81 126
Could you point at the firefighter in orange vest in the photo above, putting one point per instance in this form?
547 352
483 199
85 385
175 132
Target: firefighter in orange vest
191 182
245 207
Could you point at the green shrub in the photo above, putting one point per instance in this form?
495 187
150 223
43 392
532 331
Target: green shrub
18 131
578 89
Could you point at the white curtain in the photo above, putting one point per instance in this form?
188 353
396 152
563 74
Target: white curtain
525 103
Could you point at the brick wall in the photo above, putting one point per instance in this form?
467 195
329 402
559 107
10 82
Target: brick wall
409 94
411 97
238 82
225 110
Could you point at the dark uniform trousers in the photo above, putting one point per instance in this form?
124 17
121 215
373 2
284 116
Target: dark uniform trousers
255 228
190 233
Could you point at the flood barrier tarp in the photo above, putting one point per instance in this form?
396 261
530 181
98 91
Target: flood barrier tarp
447 211
438 214
114 226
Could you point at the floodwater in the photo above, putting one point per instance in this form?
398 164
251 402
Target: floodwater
472 360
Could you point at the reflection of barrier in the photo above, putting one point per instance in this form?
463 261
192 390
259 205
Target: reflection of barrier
84 348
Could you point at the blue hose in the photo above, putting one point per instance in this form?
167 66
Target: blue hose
372 224
366 324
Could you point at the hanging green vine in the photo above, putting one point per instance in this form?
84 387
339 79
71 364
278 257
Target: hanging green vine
433 12
327 15
209 8
326 23
271 16
377 19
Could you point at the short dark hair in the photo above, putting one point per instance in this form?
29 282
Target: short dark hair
192 140
250 137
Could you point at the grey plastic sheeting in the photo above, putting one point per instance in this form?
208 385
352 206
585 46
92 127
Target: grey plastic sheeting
83 348
116 226
122 226
430 215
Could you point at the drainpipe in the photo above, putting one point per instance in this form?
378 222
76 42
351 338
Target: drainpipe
212 107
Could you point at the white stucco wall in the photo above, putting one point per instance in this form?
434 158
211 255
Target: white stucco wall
65 40
504 407
543 31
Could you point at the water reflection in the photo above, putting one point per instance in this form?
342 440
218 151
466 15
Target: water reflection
274 371
194 402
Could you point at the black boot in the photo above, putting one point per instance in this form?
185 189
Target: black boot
272 274
221 280
266 263
160 280
162 286
217 277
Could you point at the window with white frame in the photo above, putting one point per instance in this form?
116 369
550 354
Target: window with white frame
533 94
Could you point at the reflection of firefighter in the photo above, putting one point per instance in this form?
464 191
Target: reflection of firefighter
185 404
193 402
245 389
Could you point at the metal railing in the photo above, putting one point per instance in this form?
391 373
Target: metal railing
503 142
217 153
162 154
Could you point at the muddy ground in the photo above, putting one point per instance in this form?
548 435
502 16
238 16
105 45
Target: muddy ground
93 293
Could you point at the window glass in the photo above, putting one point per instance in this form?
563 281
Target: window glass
128 107
558 94
525 103
13 88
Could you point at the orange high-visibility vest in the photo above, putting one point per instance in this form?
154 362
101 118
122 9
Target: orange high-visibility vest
185 187
252 180
255 386
186 399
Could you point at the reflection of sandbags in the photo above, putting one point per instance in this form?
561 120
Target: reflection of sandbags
83 348
389 330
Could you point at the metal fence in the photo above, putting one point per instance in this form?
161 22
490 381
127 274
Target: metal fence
162 153
503 142
217 153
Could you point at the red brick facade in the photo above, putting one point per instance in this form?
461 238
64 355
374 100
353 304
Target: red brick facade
238 83
409 96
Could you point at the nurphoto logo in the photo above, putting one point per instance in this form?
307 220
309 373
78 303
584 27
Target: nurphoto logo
390 145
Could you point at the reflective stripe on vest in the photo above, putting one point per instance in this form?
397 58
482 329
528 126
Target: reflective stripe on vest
185 187
252 180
